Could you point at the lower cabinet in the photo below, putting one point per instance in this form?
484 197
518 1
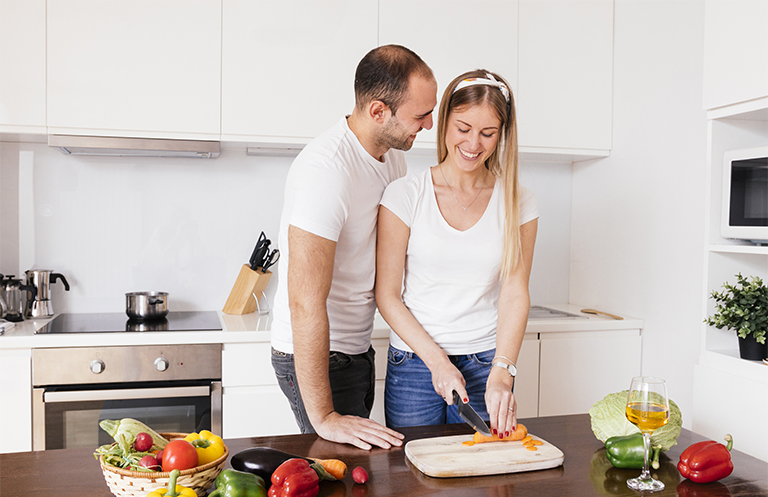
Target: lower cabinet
579 368
558 373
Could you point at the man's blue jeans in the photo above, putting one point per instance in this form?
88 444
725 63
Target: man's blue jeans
410 398
352 384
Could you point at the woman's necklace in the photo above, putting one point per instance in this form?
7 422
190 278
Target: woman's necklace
454 194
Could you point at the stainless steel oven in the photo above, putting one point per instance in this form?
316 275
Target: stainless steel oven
171 388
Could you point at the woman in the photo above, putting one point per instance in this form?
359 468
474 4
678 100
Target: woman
454 253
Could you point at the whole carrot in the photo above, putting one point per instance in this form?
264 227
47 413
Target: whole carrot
334 467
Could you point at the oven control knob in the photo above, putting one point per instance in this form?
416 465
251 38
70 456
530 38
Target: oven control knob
97 366
161 364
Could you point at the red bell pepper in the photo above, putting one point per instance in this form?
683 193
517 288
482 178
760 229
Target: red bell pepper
707 461
294 478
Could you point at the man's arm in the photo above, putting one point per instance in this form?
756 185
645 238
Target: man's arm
310 273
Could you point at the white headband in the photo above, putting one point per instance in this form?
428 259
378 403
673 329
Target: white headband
490 81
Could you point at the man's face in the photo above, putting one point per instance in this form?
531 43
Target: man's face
413 115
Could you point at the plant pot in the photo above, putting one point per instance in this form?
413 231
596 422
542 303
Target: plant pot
751 350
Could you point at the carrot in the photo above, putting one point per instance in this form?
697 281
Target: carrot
334 467
520 433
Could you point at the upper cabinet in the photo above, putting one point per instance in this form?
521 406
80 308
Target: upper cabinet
288 67
141 68
565 87
735 52
22 66
453 37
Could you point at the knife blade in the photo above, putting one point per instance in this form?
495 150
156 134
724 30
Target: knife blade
470 416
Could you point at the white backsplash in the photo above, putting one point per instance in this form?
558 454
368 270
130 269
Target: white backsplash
113 225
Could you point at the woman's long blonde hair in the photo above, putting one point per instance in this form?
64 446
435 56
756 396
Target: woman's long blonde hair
503 162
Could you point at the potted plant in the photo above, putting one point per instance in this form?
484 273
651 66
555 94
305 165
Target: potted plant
744 308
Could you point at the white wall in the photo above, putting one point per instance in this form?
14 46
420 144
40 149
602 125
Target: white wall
637 235
184 226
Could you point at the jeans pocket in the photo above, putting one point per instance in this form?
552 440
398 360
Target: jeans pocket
338 361
484 358
396 356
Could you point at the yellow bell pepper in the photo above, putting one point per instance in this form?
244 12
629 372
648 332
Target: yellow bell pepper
209 446
178 491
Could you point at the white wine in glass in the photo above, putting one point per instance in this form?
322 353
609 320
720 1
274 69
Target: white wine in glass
648 409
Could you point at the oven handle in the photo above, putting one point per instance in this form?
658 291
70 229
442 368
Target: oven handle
127 394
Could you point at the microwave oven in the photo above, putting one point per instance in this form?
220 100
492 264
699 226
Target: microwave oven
745 195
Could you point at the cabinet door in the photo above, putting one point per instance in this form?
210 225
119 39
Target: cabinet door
565 87
578 369
16 396
22 59
735 51
527 379
256 412
453 36
288 68
135 67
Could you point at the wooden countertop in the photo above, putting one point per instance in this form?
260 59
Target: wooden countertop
586 471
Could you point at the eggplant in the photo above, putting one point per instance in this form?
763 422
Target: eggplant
262 461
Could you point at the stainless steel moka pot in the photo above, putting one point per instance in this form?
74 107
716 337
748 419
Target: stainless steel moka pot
39 304
14 293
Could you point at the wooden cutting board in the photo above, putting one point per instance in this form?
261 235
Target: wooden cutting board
445 457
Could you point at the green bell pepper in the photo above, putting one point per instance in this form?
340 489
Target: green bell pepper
628 452
232 483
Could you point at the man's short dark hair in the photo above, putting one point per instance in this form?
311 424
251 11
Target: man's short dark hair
384 73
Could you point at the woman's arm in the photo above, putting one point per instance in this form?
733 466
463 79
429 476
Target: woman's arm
514 304
393 235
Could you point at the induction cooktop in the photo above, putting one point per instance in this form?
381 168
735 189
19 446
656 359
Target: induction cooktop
112 322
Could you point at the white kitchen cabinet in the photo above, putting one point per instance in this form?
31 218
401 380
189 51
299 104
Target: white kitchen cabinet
134 68
22 66
579 368
453 36
527 379
735 52
565 87
252 402
288 67
16 400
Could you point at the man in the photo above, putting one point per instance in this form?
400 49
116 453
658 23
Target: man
324 307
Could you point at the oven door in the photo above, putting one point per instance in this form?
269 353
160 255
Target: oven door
68 417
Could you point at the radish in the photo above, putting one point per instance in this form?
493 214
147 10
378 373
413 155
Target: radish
149 462
360 475
143 442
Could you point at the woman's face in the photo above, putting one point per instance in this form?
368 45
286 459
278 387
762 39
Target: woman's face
471 136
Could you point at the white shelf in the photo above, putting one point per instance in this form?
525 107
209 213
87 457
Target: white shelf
739 249
728 360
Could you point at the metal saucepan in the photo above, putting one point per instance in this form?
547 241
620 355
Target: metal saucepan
146 305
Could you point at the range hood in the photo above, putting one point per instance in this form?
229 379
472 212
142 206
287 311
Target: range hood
133 147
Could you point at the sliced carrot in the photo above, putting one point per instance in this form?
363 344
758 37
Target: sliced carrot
537 442
527 439
531 447
334 467
468 443
519 434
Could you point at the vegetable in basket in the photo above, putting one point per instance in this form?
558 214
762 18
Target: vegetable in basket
130 428
209 447
608 419
178 490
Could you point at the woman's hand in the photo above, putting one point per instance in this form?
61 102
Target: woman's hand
501 403
446 378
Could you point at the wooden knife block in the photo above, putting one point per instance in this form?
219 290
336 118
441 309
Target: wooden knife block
249 282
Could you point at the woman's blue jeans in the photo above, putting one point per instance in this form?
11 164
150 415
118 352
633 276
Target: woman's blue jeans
410 398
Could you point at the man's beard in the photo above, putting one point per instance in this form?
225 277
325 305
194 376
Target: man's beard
393 135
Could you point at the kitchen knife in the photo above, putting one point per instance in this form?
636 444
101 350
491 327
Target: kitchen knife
470 416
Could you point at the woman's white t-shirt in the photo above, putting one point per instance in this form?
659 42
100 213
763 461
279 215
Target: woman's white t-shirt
451 280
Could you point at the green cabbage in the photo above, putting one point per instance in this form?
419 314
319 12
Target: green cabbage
609 419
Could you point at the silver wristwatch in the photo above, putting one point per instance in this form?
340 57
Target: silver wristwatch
511 368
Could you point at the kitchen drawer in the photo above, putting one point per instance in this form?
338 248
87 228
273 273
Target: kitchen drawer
247 364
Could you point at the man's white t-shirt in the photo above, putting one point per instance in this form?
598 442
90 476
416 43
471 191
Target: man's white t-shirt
333 190
451 282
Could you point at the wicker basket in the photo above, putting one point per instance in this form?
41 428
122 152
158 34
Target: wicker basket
126 483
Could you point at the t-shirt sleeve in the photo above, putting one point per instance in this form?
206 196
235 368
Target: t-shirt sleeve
399 197
529 210
321 200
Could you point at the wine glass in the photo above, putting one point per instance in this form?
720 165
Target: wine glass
648 409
